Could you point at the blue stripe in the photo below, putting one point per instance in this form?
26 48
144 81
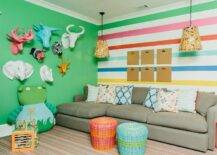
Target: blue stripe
194 68
175 68
112 69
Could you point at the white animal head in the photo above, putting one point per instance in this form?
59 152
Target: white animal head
69 38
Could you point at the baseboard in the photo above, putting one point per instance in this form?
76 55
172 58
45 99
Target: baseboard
6 130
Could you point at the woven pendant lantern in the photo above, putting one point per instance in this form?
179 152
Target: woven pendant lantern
190 40
102 50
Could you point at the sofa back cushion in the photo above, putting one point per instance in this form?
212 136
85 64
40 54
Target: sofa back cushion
85 92
204 101
139 94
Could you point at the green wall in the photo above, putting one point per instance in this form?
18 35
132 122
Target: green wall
83 69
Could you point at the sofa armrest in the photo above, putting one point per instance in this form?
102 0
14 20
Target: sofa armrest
211 121
79 98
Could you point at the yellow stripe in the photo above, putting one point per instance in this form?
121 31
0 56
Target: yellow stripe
175 82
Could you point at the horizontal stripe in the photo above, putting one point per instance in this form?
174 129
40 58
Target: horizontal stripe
174 68
175 82
112 64
207 45
175 54
117 58
157 29
112 75
112 69
170 20
191 75
176 61
165 14
205 30
161 42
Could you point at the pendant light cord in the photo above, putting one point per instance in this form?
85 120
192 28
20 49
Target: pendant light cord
102 26
190 12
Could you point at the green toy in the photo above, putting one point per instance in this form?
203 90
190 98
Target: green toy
33 107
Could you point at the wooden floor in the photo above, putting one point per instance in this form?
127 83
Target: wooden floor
63 141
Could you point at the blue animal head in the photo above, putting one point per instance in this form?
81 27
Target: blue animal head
44 34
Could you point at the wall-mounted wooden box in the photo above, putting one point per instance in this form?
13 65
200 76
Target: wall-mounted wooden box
147 57
147 74
133 58
164 74
133 74
164 56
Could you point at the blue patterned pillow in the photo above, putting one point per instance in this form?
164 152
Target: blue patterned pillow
151 98
123 94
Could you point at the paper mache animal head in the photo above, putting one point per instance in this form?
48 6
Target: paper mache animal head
63 67
69 38
28 95
57 48
38 54
17 41
44 34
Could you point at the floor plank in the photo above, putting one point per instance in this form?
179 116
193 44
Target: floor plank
63 141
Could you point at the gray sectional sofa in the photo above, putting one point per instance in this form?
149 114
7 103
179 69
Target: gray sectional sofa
190 130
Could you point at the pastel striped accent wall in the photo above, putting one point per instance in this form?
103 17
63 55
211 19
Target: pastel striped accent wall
163 30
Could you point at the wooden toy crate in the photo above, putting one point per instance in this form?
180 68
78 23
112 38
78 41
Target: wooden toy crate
23 141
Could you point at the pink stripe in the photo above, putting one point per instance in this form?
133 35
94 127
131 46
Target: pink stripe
156 29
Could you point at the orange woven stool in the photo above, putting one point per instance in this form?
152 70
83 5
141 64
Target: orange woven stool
103 132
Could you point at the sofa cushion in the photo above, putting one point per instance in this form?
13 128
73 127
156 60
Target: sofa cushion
182 120
83 109
139 94
204 101
130 112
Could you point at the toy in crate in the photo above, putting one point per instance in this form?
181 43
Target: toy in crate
25 138
23 141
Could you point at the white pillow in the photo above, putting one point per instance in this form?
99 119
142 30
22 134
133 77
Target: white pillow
92 93
186 100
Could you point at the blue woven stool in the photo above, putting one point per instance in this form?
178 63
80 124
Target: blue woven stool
132 138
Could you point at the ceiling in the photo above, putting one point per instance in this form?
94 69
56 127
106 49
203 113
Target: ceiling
113 8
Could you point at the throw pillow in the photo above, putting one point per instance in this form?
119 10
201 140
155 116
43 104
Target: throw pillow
92 93
186 100
204 102
151 98
111 94
166 101
123 94
102 94
106 94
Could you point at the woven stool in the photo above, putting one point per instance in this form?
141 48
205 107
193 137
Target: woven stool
103 132
132 138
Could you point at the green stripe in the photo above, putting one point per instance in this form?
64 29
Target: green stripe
161 15
123 143
175 54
